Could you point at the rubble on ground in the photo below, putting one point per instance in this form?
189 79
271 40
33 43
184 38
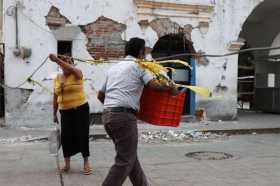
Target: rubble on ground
178 136
163 136
21 139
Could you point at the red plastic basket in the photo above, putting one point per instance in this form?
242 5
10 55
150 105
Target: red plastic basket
161 108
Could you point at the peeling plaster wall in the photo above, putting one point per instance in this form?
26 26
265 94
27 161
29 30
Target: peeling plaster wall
104 38
226 23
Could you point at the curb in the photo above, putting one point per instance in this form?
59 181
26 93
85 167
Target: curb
102 135
92 137
219 131
244 131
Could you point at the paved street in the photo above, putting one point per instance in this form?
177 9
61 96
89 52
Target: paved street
255 162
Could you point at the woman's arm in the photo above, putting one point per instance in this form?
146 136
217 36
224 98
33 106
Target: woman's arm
64 65
55 108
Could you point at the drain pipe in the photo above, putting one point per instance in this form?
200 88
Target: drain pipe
17 50
16 18
22 52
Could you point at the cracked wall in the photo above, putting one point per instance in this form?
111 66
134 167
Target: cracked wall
104 38
38 33
55 19
165 26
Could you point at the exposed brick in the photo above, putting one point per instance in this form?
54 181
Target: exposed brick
55 19
104 36
164 26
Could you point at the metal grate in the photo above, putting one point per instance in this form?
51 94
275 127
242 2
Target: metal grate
208 155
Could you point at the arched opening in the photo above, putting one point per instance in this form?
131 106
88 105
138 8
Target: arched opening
259 72
173 44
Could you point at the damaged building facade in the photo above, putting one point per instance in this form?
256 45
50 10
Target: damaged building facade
94 29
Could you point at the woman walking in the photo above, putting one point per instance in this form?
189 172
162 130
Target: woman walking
69 98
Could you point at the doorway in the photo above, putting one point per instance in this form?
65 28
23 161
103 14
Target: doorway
259 72
173 44
64 47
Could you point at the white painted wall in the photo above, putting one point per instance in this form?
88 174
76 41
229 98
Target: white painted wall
225 26
1 20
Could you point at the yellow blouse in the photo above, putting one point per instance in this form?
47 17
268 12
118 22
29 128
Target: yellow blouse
70 92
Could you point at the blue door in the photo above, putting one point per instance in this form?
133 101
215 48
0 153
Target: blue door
190 103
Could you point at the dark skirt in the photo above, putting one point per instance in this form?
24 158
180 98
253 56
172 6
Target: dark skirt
75 131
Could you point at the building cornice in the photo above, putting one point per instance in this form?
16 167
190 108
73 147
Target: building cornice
195 8
150 9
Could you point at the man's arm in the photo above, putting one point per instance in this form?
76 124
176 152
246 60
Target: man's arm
55 108
101 96
155 84
150 81
101 92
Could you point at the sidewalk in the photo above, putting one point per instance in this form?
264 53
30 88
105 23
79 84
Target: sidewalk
255 162
247 123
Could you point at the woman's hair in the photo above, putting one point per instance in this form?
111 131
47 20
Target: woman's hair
134 46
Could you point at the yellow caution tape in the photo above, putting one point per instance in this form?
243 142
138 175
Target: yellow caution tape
34 82
92 61
176 61
157 69
199 90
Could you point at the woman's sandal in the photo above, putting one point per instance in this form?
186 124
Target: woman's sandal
87 171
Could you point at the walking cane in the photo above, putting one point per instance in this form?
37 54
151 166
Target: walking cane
54 145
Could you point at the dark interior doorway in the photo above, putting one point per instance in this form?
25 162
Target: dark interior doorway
258 71
64 47
170 45
246 78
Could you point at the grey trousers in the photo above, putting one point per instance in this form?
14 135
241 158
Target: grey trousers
122 128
